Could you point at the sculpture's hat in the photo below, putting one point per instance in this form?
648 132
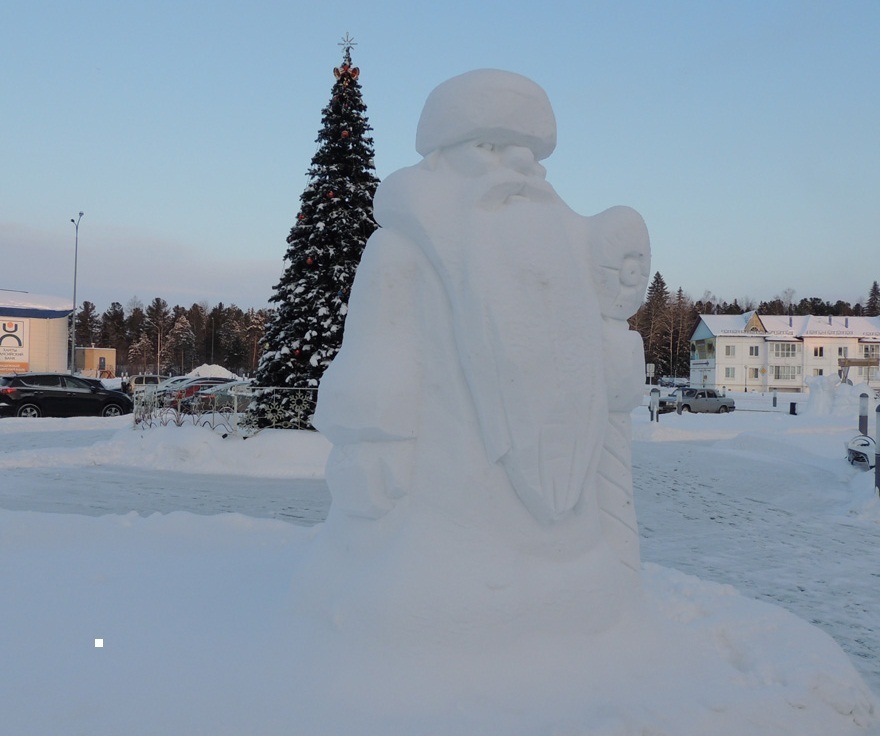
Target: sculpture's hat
488 105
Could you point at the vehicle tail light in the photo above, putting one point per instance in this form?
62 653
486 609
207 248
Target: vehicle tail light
8 391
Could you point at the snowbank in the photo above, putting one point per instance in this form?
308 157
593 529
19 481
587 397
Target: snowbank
212 370
194 614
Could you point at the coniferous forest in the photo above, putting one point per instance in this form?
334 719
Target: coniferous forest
178 339
174 340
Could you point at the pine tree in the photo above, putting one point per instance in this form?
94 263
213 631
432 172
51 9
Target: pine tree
113 331
140 353
179 344
135 321
88 325
684 321
157 324
872 306
654 322
325 244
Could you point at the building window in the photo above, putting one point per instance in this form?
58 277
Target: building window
818 371
785 372
819 352
730 372
842 352
872 351
754 373
730 351
785 349
754 350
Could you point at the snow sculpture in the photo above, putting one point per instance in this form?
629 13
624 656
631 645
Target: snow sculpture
479 568
487 373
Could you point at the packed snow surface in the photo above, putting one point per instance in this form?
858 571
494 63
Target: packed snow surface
760 545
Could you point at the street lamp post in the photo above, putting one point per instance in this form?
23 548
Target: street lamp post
73 320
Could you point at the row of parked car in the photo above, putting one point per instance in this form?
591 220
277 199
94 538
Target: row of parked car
63 395
190 394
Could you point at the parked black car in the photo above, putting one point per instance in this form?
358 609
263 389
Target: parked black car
58 395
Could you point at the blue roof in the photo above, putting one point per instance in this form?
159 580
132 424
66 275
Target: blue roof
35 306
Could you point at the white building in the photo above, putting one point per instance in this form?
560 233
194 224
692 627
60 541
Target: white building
752 352
34 332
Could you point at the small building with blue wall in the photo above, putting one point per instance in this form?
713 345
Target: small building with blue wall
34 332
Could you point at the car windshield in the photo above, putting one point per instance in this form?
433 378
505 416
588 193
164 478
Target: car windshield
172 381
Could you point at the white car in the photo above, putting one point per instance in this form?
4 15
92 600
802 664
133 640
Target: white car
141 382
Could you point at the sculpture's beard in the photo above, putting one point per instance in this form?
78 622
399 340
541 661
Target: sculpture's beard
525 322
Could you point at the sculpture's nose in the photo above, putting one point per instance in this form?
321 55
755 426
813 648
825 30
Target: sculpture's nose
519 158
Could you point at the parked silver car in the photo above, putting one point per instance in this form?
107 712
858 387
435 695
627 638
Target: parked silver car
697 400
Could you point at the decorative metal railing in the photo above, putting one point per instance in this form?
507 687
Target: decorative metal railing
242 410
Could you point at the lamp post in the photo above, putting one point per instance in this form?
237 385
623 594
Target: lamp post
73 320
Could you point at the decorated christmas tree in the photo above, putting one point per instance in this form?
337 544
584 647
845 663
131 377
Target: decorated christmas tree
335 219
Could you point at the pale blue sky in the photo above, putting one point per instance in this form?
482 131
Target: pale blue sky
746 133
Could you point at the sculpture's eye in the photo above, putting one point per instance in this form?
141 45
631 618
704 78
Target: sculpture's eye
631 272
486 146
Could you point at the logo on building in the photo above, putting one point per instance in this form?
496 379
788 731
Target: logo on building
10 333
13 345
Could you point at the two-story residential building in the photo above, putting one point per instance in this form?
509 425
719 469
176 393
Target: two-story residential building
752 352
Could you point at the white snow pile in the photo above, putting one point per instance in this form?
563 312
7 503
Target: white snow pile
211 370
197 613
828 396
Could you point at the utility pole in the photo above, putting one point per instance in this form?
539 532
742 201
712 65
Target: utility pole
73 318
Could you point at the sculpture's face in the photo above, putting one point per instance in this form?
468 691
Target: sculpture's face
504 173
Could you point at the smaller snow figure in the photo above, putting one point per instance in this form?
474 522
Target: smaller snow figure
487 371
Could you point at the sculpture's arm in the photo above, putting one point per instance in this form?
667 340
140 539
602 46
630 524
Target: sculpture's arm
369 392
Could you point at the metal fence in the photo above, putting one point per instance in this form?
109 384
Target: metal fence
230 411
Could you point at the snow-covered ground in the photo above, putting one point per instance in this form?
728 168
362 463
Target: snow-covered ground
194 607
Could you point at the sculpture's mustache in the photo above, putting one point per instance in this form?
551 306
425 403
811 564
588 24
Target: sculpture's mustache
506 192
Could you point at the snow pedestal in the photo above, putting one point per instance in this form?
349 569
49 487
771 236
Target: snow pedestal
691 658
481 554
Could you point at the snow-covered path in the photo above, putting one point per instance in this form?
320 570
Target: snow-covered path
117 490
774 529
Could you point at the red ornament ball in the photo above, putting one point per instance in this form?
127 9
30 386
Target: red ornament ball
310 260
345 134
331 194
297 352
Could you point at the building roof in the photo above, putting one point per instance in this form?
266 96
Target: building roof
782 327
38 306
